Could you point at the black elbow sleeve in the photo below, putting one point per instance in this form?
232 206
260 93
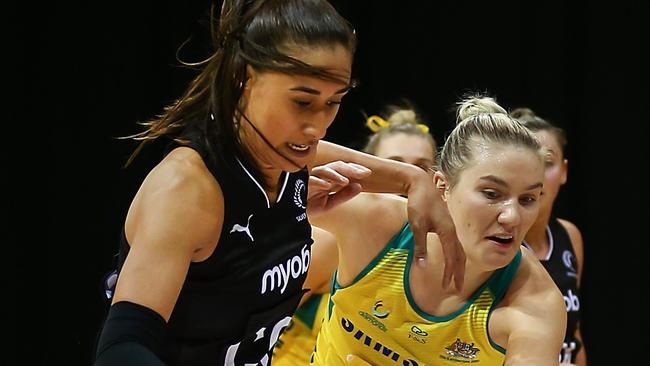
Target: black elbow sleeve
132 335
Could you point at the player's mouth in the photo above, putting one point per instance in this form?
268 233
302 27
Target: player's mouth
502 239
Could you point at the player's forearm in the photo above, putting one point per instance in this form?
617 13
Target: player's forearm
388 176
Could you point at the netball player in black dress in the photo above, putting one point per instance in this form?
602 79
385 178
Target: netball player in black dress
216 242
557 243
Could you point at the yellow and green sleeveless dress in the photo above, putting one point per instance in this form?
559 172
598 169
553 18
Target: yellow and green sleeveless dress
296 344
376 319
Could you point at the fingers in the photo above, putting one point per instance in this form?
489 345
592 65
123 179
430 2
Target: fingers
454 261
459 268
329 174
318 184
343 195
350 170
339 172
355 360
449 268
420 250
334 177
360 170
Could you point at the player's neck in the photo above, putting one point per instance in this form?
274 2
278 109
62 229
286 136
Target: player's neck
537 238
428 292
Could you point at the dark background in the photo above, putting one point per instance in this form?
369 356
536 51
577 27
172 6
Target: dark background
86 73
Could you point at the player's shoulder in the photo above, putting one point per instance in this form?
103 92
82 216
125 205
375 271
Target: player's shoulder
569 226
182 172
574 235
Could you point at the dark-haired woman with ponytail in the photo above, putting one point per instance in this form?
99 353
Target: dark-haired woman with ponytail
557 242
216 243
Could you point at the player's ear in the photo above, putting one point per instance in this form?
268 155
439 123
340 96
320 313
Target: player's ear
440 181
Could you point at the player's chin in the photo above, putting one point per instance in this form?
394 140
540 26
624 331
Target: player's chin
496 260
297 158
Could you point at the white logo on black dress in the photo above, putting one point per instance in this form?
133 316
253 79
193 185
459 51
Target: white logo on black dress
571 301
245 229
569 263
278 276
298 193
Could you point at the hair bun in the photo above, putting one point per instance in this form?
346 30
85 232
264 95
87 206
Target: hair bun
474 106
402 117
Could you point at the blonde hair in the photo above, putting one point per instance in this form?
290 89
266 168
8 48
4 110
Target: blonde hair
479 119
400 120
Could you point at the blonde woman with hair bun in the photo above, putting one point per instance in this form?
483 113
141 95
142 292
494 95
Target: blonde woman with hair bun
402 136
384 310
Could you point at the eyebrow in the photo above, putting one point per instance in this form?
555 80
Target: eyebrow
306 89
501 182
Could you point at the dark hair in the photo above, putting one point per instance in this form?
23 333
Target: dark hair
402 118
533 122
255 33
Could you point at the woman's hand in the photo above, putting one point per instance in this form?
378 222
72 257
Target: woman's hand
332 184
354 360
428 213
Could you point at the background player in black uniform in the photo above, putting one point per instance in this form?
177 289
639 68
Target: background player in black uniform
216 242
557 242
